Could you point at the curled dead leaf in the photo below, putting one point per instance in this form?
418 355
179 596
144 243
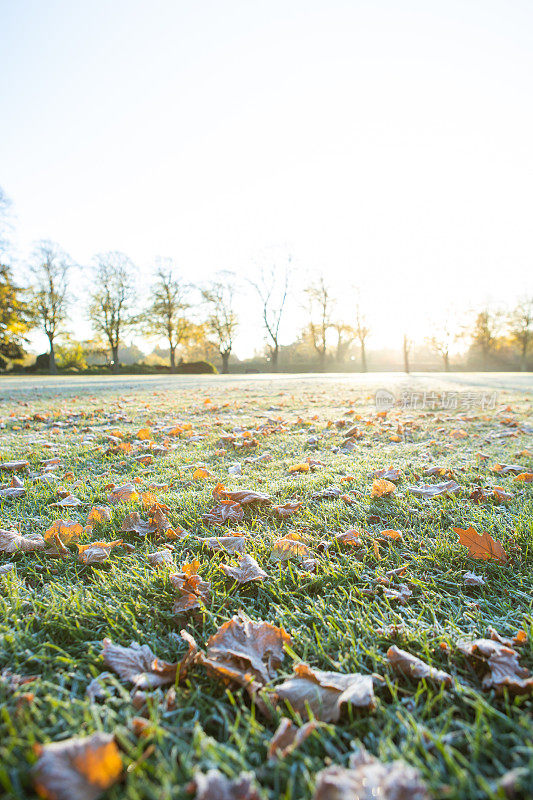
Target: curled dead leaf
382 488
230 544
288 737
138 665
288 508
98 515
430 490
368 779
243 496
78 769
248 570
412 667
126 493
323 694
289 546
213 785
11 541
226 511
498 663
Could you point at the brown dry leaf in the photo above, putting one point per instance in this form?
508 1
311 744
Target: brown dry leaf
289 546
382 488
96 552
288 737
231 544
213 785
329 493
500 665
245 652
390 534
5 569
201 474
193 590
248 570
481 545
70 501
304 467
412 667
161 558
388 474
471 579
11 541
14 490
138 665
351 537
524 477
369 779
228 510
133 523
324 693
143 434
67 531
14 681
78 769
288 508
402 594
243 496
14 466
431 490
505 469
99 514
122 494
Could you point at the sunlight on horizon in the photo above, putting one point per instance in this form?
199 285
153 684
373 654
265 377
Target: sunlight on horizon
387 146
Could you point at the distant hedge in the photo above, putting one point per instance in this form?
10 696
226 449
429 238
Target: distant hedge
196 368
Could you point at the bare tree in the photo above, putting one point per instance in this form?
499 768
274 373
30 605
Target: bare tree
320 307
272 288
165 315
484 333
521 325
49 292
407 347
362 332
345 336
222 320
445 333
111 299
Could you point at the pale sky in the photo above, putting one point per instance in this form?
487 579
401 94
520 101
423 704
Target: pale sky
386 143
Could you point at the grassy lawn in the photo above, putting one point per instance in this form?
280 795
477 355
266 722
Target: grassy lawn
55 611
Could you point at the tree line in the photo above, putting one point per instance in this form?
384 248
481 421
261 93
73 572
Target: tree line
206 319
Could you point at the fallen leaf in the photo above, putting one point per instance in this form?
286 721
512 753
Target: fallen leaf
389 534
324 693
70 501
243 496
289 546
288 508
201 474
382 488
412 667
500 666
78 769
524 477
230 544
481 545
99 514
304 467
213 785
248 570
369 779
14 466
388 474
138 665
245 652
402 594
11 541
95 552
123 494
161 558
471 579
329 493
431 490
6 568
228 510
194 591
351 537
15 489
288 737
66 530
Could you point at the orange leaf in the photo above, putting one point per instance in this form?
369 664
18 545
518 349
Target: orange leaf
481 546
382 488
299 468
525 477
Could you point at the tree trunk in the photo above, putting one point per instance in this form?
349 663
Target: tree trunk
321 360
225 362
52 366
405 355
114 358
446 359
172 359
364 367
523 359
274 353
